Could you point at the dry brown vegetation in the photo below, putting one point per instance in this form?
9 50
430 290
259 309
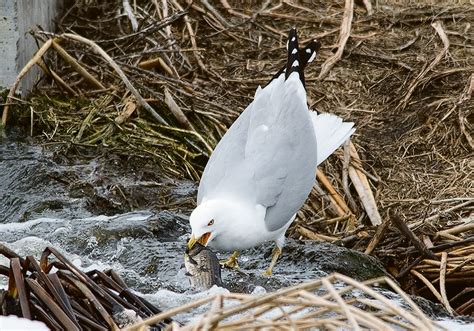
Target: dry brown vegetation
403 74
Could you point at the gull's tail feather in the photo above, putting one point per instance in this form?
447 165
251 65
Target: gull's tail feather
331 132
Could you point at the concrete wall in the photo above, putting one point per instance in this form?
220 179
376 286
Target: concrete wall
17 47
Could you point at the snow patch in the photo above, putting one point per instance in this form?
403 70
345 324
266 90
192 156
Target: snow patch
15 323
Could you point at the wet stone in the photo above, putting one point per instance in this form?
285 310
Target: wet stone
300 261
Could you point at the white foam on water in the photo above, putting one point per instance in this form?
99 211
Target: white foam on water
455 325
258 290
166 299
30 246
26 246
16 227
22 226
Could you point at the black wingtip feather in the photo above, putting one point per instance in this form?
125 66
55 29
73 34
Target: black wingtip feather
309 53
303 56
294 63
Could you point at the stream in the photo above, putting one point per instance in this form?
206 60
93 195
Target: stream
102 211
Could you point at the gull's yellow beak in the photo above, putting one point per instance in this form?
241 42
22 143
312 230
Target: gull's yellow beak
202 240
191 242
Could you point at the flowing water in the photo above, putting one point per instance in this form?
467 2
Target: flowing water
105 212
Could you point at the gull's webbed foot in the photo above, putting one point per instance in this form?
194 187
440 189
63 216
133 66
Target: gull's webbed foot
275 255
231 262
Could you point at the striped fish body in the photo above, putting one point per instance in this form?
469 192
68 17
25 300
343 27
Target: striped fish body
202 267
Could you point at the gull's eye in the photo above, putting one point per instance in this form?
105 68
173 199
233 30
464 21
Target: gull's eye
210 223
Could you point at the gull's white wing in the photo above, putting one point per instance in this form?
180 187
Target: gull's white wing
281 150
226 158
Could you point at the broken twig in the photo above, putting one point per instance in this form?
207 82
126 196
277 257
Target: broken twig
343 38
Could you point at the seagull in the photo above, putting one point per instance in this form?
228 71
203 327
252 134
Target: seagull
263 169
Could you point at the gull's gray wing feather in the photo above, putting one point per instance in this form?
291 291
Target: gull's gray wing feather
226 157
281 149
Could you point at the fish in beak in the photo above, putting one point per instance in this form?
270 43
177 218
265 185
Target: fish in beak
202 240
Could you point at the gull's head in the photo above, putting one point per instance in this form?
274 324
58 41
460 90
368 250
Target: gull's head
207 222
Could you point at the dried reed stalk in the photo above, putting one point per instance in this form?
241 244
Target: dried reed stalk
300 307
344 34
419 78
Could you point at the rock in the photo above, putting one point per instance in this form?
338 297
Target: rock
330 258
301 261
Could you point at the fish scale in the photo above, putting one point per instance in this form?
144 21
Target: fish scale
202 267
